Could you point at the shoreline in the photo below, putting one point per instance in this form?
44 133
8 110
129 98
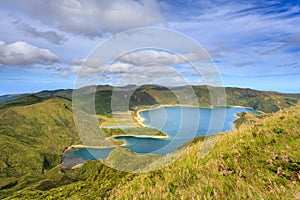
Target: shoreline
192 106
80 146
140 119
142 136
260 112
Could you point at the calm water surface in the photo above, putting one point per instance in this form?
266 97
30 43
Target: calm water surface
181 123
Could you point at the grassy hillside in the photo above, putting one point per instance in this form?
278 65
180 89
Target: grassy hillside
67 94
265 101
132 131
261 160
32 137
36 129
150 95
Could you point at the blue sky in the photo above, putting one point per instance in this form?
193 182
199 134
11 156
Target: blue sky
43 44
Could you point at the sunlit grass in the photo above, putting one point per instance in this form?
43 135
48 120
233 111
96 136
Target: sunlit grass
260 160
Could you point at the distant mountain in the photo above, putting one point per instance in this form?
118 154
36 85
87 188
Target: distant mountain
27 100
150 95
10 97
266 101
55 93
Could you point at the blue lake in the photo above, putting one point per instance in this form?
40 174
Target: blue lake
180 123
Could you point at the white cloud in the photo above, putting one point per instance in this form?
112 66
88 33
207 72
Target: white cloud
92 18
90 62
153 70
118 68
150 57
89 69
142 67
22 54
154 74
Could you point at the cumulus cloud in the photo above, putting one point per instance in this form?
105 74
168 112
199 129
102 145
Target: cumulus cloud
122 73
50 36
146 57
90 68
22 54
92 18
159 75
90 62
153 71
145 66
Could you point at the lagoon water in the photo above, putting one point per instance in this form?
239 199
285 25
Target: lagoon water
180 123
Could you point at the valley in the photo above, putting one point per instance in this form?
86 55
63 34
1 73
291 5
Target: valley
35 131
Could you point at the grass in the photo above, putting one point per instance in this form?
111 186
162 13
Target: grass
32 137
260 160
147 96
122 118
246 118
132 131
256 162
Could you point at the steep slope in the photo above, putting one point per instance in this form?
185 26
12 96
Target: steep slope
258 161
32 137
260 100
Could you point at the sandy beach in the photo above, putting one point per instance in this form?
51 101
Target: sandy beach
142 136
80 146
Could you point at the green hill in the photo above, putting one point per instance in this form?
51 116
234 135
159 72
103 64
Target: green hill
151 95
32 137
260 100
258 161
